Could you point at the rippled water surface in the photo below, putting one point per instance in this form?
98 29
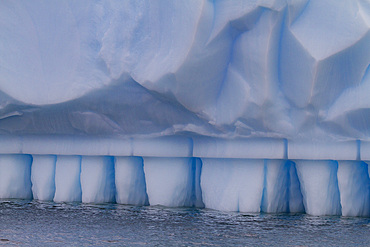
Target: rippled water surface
39 224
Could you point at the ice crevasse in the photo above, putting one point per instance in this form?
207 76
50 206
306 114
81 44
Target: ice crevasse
250 105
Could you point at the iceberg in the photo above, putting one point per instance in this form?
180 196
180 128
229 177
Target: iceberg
251 106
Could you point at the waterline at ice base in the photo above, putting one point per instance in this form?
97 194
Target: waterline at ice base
250 106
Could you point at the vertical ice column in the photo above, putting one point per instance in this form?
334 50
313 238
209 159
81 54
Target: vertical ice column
97 179
232 184
295 194
169 181
354 187
197 191
67 179
15 176
319 186
43 177
130 181
281 188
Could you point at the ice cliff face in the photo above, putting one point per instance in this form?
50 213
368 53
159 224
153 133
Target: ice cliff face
238 105
287 69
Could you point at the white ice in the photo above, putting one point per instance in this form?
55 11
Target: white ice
15 176
67 179
130 181
233 105
296 70
354 186
169 181
319 186
281 188
97 179
232 184
43 177
316 187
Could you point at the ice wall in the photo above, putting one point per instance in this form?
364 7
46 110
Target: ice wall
97 179
130 181
15 176
253 106
244 185
67 179
43 177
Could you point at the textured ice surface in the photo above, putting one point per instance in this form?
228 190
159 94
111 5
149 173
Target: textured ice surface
281 188
169 181
67 179
239 148
15 176
187 103
232 184
354 186
287 69
246 185
130 181
319 186
97 179
43 177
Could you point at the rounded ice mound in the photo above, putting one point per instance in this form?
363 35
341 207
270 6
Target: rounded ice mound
287 69
47 51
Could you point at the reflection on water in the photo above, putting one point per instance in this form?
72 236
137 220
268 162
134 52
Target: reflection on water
46 223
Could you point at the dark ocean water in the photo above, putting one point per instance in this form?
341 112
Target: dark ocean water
33 223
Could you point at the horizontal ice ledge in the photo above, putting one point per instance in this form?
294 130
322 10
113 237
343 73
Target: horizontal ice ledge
202 147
